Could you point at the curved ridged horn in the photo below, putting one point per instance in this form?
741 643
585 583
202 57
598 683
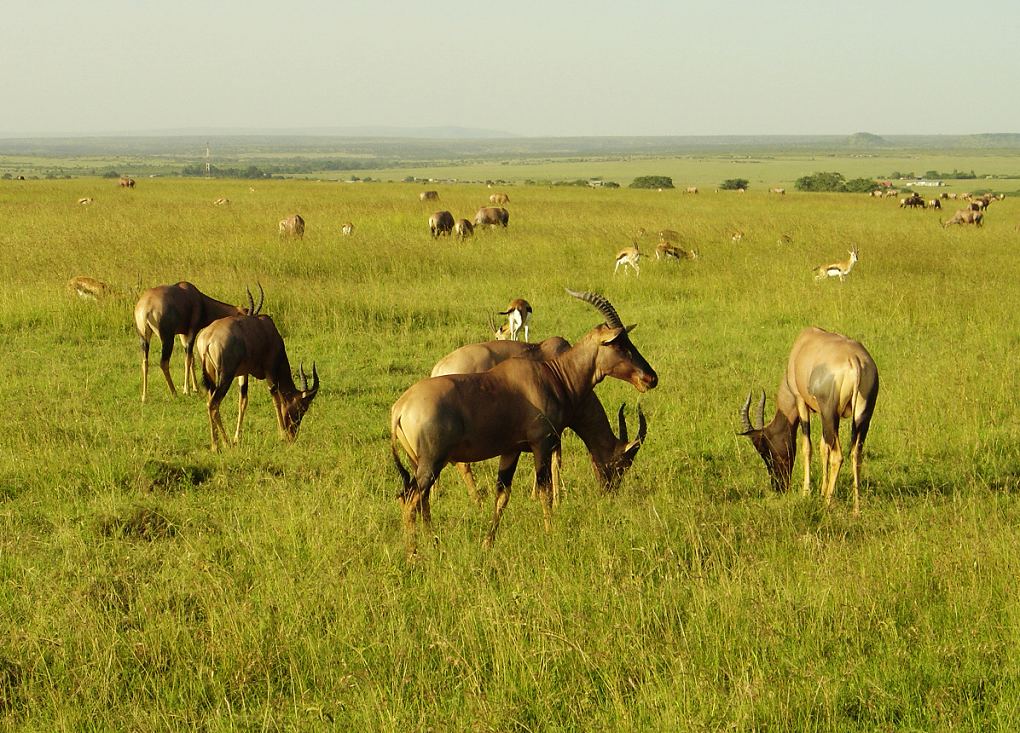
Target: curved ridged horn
315 379
761 411
304 379
601 304
623 423
745 421
262 299
642 425
251 302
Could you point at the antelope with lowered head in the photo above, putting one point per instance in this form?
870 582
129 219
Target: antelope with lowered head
491 216
462 228
665 250
629 257
87 288
518 404
965 216
245 346
292 226
611 456
838 269
441 223
518 316
184 310
347 229
499 199
834 377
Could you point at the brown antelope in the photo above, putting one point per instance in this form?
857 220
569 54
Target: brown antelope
462 228
491 216
518 316
87 201
611 456
347 229
221 201
628 257
441 223
292 226
499 199
87 288
183 310
691 189
464 418
834 377
428 196
245 346
126 182
665 250
838 269
965 216
780 191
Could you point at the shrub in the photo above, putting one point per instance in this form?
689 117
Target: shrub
652 182
733 184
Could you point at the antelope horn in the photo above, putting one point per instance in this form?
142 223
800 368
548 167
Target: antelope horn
315 380
761 411
251 302
642 425
304 379
262 299
745 421
623 423
601 304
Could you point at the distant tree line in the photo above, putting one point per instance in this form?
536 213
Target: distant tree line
834 182
198 169
954 176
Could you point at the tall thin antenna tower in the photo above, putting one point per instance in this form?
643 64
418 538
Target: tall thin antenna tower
208 162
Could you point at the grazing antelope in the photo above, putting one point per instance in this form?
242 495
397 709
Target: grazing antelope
499 199
665 250
428 196
245 346
491 216
126 182
441 223
784 239
87 201
780 191
292 226
611 456
87 288
464 418
965 216
837 269
463 228
183 310
347 229
691 189
912 201
518 316
737 236
834 377
628 257
935 204
221 201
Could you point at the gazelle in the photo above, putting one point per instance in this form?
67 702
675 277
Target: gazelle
737 236
834 377
628 257
87 201
611 456
292 226
347 229
183 310
837 269
221 201
672 251
245 346
87 288
518 316
464 418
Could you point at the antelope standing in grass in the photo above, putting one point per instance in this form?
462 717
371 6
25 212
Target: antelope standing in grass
737 236
837 269
87 288
428 196
629 257
441 223
691 189
87 201
246 346
611 456
221 201
462 228
665 250
518 316
491 216
181 309
292 226
126 182
780 191
499 199
347 229
834 377
518 404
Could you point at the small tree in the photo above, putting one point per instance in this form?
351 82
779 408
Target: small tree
734 184
652 182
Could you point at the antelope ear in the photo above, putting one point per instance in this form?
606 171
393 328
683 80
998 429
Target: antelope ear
617 333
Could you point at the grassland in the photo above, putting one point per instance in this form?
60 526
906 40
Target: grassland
146 583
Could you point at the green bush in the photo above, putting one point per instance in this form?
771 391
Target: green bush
652 182
734 184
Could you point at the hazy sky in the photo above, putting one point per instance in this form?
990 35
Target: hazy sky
629 67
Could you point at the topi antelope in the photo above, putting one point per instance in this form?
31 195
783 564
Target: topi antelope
611 456
665 250
834 377
628 257
491 216
183 310
518 316
462 228
428 196
464 418
87 288
441 223
126 182
347 229
245 346
837 269
292 226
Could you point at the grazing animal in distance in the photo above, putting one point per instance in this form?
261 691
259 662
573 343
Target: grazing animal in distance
464 418
780 191
292 226
441 223
491 216
87 201
691 189
347 229
935 204
244 346
518 316
629 257
965 216
737 236
463 228
838 269
221 201
665 250
88 288
784 239
428 196
499 199
611 456
834 377
180 310
126 182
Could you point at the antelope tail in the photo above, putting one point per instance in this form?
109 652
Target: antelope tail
405 476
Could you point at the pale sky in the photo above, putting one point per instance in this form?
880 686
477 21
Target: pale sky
628 67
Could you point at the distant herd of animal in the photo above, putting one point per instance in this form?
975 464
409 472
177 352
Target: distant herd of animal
500 398
973 214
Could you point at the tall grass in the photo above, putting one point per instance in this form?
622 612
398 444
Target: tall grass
147 583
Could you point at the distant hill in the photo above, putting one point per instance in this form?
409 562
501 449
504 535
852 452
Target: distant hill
867 140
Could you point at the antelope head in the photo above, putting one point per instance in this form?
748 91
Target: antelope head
774 444
623 457
617 357
295 405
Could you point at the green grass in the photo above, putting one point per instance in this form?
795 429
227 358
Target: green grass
146 583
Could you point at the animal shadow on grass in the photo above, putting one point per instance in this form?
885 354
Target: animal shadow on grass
163 476
141 522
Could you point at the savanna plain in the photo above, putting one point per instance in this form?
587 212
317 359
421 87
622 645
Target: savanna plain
147 583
